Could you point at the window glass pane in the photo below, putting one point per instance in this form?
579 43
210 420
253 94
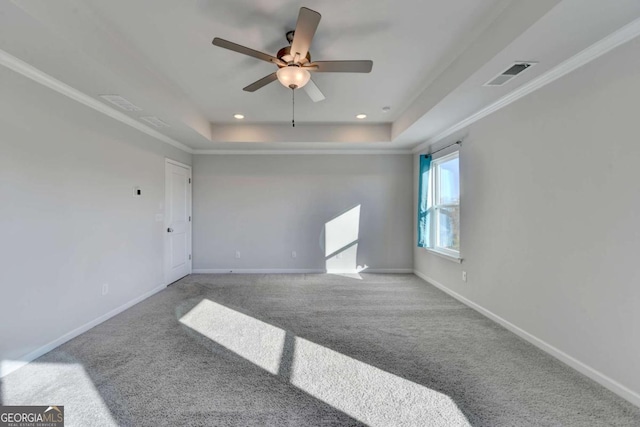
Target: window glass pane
449 228
449 182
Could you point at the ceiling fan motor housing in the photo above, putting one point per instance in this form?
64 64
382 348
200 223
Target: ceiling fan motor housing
284 54
290 35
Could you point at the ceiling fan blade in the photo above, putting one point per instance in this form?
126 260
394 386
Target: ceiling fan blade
313 91
306 26
341 66
261 83
246 51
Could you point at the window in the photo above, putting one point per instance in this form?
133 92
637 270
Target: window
439 205
446 192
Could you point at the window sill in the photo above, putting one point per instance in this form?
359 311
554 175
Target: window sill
453 258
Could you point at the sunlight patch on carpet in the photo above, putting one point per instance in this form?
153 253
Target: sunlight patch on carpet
362 391
62 384
254 340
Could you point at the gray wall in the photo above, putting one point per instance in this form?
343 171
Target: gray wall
268 206
68 217
550 216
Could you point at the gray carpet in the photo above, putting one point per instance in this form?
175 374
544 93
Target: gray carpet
309 350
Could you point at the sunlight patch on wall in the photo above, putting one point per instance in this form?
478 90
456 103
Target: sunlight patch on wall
342 231
341 244
344 262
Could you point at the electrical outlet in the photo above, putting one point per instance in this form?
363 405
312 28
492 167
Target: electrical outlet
294 254
105 288
464 276
238 254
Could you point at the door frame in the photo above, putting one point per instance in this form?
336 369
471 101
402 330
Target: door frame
167 162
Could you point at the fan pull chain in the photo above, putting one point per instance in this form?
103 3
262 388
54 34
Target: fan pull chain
293 107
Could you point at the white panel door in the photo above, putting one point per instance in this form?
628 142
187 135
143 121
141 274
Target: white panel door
177 222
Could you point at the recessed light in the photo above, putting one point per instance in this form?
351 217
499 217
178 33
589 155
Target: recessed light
361 116
238 116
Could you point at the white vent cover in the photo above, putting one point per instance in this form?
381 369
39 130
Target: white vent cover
510 73
154 121
121 102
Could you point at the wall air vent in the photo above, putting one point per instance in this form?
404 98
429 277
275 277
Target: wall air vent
154 121
510 73
121 102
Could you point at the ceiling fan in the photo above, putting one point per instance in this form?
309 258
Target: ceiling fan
294 61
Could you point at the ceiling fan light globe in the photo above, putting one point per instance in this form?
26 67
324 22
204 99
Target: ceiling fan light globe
293 76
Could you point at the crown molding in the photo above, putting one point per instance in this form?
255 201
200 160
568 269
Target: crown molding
610 42
31 72
298 151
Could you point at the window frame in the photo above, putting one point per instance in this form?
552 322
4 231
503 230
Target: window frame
434 183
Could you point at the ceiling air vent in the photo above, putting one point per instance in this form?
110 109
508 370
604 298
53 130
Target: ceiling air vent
154 121
509 73
121 102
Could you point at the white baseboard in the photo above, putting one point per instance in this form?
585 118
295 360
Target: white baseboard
8 366
579 366
388 270
255 271
372 270
294 271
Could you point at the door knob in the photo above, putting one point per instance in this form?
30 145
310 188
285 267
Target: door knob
169 230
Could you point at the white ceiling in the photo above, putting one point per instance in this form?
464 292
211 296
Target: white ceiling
175 37
430 60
